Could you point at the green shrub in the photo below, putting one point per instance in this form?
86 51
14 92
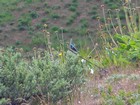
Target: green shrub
39 26
94 16
72 18
112 6
84 23
33 14
46 4
38 39
43 20
55 28
55 16
41 76
47 11
18 42
24 22
129 46
126 52
72 8
5 17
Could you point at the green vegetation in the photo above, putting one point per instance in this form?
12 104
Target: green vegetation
72 18
43 77
4 17
55 16
122 98
33 13
53 72
24 22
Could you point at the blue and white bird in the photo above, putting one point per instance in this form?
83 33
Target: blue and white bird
72 46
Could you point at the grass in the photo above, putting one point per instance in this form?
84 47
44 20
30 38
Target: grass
5 17
72 18
100 71
46 12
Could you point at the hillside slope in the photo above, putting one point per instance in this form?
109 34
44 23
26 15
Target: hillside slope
21 22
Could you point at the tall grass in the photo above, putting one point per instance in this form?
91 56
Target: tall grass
56 75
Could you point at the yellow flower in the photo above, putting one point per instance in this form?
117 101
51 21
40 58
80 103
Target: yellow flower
60 54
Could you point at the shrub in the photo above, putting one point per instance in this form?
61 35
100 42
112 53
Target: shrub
55 28
41 76
47 11
39 26
33 14
72 8
94 16
24 22
84 23
5 17
46 4
72 18
43 20
18 42
55 16
128 46
38 39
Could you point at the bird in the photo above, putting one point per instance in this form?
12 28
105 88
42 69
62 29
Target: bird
72 46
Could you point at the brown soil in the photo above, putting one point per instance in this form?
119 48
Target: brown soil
10 33
91 93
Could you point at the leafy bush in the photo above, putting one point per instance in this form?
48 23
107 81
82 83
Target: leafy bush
55 28
113 57
128 46
24 22
5 17
43 20
40 76
33 14
55 16
72 8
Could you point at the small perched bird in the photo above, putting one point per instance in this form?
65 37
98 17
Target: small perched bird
72 46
